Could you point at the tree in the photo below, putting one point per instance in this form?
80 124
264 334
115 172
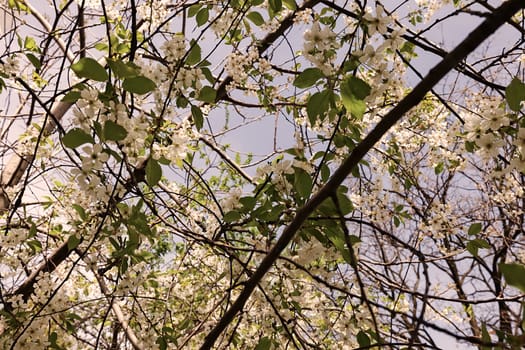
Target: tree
261 175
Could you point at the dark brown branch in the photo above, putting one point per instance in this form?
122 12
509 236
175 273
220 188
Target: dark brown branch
476 37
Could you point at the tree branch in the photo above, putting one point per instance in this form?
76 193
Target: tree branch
474 39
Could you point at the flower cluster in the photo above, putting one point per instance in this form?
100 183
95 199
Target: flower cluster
318 47
87 108
225 22
10 67
483 123
174 49
154 11
237 64
378 23
175 146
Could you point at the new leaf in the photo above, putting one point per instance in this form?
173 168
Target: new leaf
76 137
515 94
153 172
307 78
89 68
353 92
514 275
139 85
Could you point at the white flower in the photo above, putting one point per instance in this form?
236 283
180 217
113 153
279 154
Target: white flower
95 157
367 54
283 167
494 121
321 39
232 200
11 66
89 105
153 11
236 64
378 23
394 41
304 16
490 145
175 48
520 141
317 45
221 24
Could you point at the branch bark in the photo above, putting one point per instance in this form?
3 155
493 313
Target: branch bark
469 44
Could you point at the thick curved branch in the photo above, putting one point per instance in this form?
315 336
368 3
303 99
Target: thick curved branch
17 165
474 39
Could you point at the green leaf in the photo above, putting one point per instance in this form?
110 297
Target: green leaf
114 132
438 169
182 102
515 94
302 183
76 137
194 9
35 245
163 344
72 97
231 216
308 78
353 239
290 4
345 204
338 240
275 213
359 88
256 18
34 60
53 337
202 16
198 119
362 339
353 92
474 229
514 275
32 230
194 56
470 146
30 44
474 245
153 172
207 73
72 242
264 344
139 85
318 105
101 46
275 5
123 70
248 203
207 94
485 337
81 212
89 68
